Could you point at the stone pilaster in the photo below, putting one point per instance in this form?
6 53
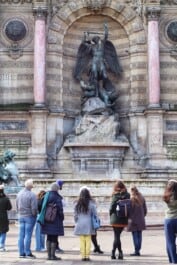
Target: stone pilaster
155 137
153 57
37 155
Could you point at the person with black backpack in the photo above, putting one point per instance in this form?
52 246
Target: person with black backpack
119 215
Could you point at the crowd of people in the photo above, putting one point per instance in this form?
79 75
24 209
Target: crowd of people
44 213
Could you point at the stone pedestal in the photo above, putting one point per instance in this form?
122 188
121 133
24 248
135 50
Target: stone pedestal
94 160
96 148
37 157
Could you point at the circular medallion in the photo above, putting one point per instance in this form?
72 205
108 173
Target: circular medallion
15 30
172 31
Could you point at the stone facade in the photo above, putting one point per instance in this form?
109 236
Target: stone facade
40 101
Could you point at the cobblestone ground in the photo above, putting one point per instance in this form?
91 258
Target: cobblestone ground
153 249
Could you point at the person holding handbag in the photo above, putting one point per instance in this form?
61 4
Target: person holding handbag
83 210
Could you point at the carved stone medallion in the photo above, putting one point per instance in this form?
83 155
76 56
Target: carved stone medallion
15 30
172 31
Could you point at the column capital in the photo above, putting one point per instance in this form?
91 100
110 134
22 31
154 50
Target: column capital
153 13
40 12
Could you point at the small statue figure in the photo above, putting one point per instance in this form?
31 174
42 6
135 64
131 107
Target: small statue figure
8 169
96 57
4 174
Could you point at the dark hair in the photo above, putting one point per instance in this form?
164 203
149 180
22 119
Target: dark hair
170 191
119 186
2 194
41 194
82 204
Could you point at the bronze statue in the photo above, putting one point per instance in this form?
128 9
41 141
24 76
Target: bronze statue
95 58
8 169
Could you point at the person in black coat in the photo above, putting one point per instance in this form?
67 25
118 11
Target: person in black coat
56 228
5 205
118 223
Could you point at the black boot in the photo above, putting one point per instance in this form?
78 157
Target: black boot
48 245
98 250
120 256
53 249
113 256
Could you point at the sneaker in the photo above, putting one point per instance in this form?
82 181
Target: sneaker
2 249
30 256
135 254
22 256
59 250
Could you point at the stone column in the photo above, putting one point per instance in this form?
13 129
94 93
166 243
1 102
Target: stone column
37 153
40 56
153 57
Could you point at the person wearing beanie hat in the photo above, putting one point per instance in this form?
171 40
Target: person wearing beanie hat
27 208
5 206
55 228
59 183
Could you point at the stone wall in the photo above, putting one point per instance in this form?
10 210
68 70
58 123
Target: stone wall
37 135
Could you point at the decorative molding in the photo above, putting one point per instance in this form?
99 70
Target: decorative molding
13 125
96 5
153 13
173 52
15 51
10 2
40 12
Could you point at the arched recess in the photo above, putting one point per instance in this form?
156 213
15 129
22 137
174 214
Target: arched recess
127 34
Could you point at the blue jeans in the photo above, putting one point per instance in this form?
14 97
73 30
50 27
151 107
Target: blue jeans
170 226
137 240
39 238
26 225
2 240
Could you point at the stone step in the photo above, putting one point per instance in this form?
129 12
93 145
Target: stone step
101 192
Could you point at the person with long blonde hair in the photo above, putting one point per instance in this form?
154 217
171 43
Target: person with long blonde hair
136 222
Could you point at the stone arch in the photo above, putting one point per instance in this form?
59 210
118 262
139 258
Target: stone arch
65 36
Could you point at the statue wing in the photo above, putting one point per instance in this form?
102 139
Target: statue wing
111 58
83 58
